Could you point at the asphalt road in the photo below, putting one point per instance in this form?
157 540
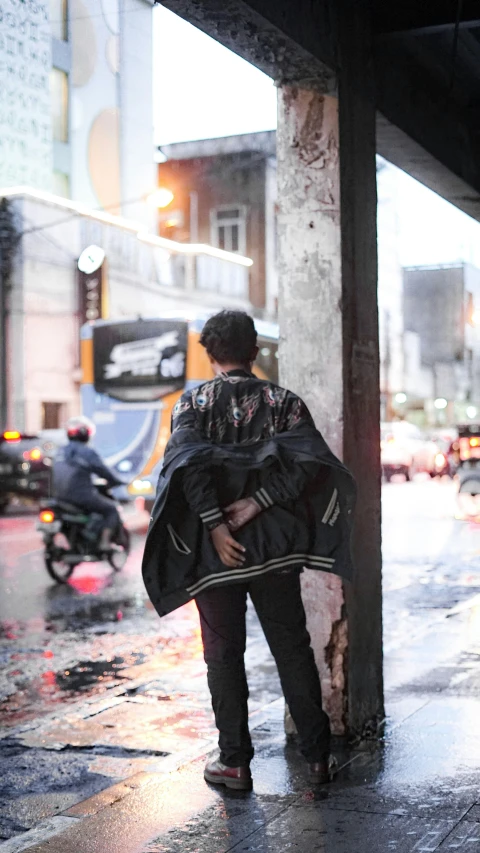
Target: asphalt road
77 657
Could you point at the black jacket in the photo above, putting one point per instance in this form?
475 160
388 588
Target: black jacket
308 495
72 472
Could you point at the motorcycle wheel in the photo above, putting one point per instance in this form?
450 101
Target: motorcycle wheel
59 570
117 559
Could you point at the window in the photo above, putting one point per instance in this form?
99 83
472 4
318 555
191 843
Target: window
59 19
59 95
228 229
51 415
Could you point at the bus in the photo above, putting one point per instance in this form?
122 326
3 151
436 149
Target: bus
133 373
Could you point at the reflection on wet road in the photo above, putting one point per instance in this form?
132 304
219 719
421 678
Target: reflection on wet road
60 641
431 570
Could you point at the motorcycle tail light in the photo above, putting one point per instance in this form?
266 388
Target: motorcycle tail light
47 516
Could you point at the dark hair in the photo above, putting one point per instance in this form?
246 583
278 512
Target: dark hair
229 336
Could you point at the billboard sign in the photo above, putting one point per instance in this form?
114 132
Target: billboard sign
140 360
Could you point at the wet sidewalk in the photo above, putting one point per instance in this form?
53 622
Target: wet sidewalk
411 795
416 790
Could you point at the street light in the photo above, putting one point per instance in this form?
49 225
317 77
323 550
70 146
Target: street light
401 397
471 412
440 403
160 198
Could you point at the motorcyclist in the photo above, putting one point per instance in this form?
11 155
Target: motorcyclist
72 477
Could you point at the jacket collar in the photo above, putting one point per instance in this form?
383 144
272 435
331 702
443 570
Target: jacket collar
238 372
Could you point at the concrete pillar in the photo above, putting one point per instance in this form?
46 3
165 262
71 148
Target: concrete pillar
329 356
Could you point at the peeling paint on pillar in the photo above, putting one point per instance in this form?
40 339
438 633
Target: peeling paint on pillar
310 349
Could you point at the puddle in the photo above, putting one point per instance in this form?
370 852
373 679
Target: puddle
85 678
84 674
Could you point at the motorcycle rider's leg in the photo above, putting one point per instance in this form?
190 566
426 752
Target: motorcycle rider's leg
105 539
110 518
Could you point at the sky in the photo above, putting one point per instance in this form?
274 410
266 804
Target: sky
203 90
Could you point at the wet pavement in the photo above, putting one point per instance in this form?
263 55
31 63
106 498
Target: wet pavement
93 697
94 687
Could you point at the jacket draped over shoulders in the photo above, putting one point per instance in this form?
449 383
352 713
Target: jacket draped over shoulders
312 531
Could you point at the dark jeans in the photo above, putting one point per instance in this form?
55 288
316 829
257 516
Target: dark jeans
100 504
278 602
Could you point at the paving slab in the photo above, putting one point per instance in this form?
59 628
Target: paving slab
474 812
158 728
323 831
233 819
465 836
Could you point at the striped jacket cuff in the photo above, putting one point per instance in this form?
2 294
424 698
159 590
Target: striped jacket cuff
263 498
212 517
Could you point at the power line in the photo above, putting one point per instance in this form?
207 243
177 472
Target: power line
71 255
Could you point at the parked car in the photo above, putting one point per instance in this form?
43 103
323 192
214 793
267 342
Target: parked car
405 450
26 464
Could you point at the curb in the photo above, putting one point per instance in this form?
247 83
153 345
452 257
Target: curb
55 825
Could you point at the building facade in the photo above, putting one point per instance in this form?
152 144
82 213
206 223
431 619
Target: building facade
76 101
143 275
224 193
441 308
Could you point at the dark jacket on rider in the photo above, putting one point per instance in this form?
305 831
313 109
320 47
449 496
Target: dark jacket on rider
72 480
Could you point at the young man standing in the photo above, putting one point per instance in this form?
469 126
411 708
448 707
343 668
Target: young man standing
249 495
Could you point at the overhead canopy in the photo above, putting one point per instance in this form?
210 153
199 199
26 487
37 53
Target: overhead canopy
426 55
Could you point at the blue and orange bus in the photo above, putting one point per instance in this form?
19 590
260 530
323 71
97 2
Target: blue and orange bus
133 373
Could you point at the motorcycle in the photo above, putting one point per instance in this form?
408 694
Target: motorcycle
72 536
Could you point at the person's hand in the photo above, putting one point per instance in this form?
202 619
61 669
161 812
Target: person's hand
228 549
241 512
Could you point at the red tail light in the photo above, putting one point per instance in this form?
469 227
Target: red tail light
47 516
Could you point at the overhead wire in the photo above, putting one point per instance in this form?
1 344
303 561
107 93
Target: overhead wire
71 255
